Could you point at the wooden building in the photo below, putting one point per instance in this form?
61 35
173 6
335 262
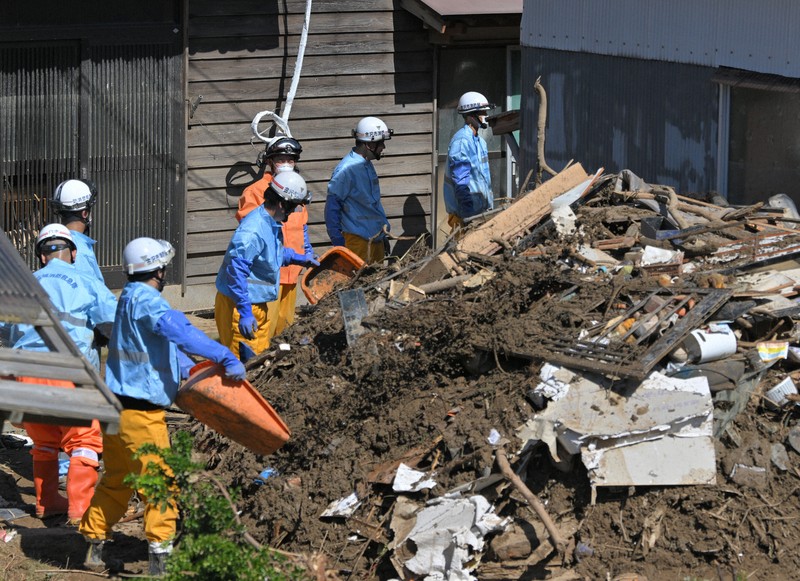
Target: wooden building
153 101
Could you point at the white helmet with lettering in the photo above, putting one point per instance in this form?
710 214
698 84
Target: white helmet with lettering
372 129
290 186
51 233
146 255
74 196
472 101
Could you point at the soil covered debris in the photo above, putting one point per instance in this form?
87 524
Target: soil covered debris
432 380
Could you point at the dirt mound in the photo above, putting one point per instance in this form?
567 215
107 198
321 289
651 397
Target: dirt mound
426 385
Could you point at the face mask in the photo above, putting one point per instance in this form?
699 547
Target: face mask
282 167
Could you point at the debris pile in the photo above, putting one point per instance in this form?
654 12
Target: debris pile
595 381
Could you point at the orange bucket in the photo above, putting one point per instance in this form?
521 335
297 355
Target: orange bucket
232 408
338 265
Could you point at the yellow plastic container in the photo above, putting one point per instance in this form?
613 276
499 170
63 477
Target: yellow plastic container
336 266
234 409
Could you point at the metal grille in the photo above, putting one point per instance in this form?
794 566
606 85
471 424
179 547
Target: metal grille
131 158
107 112
39 95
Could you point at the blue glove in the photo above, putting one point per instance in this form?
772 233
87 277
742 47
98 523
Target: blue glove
292 257
237 272
247 324
461 172
174 326
333 220
185 364
311 259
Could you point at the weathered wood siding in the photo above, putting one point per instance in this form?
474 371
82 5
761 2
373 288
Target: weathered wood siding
363 57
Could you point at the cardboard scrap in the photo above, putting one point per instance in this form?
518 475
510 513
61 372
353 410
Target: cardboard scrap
343 507
409 480
653 434
447 534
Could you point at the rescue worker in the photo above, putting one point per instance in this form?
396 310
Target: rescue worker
281 155
467 181
146 360
354 214
83 307
73 201
250 273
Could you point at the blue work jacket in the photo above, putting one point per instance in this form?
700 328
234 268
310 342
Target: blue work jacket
354 204
467 182
258 241
141 363
82 303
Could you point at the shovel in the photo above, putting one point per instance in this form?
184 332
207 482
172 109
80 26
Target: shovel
354 308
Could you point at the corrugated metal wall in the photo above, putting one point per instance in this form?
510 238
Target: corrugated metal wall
755 36
39 96
137 99
658 119
364 57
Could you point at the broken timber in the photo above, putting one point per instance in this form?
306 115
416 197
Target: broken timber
621 358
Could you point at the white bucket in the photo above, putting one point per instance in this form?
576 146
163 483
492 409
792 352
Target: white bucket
714 342
777 395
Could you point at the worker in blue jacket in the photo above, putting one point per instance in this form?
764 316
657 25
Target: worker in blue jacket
82 308
249 276
146 361
73 201
467 181
354 214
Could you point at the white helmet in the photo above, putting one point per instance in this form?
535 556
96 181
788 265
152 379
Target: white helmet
372 129
291 186
146 255
74 196
472 101
54 232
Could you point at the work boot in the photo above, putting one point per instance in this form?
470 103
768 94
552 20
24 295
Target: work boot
97 558
158 554
49 501
94 555
81 480
158 564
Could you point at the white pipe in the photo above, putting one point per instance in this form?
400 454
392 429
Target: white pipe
283 121
299 63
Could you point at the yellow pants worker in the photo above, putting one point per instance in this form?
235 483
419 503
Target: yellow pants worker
111 498
369 252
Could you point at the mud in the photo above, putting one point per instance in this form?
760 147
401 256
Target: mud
416 381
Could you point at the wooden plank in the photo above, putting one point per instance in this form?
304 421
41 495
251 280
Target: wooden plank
313 129
202 268
270 25
317 171
217 8
322 86
56 402
211 156
224 219
319 108
219 199
524 213
201 49
279 67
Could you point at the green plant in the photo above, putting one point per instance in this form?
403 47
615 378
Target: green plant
212 544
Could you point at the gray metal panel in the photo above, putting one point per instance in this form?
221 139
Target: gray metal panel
657 119
38 135
132 157
755 36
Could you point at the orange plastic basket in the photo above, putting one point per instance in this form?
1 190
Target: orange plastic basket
336 266
232 408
